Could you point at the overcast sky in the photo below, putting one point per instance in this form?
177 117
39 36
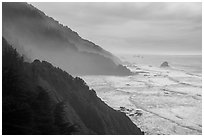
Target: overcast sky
136 28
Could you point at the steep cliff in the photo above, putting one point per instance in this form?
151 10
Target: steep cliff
39 98
36 35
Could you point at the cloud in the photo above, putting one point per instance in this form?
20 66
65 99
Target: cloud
154 25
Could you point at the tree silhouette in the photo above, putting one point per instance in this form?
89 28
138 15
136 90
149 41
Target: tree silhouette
66 128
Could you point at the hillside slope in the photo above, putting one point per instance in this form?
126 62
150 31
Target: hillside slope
35 35
39 98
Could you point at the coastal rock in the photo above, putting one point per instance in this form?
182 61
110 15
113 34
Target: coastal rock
164 64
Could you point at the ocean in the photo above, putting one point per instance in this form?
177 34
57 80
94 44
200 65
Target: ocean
168 100
187 63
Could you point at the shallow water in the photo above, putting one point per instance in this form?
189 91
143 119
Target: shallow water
159 101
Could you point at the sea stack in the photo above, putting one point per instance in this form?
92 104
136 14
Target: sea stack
164 64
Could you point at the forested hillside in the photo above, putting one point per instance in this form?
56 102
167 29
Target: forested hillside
39 98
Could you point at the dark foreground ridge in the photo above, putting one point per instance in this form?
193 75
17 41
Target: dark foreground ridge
41 99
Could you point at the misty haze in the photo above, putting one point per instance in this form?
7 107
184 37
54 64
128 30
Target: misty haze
101 68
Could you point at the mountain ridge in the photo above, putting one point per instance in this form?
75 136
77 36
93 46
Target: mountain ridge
40 35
